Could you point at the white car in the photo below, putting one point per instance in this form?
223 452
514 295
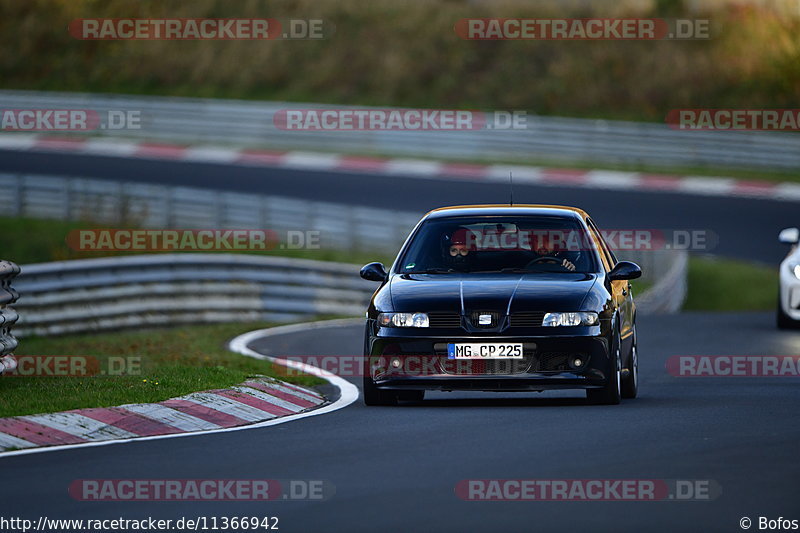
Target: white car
789 299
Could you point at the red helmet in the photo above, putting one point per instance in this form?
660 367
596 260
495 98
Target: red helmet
459 237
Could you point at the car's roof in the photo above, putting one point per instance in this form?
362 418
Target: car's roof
506 209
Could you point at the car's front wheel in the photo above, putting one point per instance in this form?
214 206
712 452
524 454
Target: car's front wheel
630 383
611 393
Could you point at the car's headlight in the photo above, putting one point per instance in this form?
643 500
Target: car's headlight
569 319
403 320
795 269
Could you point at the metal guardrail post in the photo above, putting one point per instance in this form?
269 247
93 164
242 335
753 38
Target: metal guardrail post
8 316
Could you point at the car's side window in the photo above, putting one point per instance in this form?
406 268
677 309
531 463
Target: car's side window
609 259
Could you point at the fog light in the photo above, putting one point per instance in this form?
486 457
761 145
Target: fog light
396 363
576 362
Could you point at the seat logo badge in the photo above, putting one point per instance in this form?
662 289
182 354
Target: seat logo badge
484 320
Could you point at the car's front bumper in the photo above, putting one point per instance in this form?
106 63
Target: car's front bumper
790 292
421 363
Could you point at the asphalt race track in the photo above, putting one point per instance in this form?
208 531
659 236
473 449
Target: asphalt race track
746 228
395 468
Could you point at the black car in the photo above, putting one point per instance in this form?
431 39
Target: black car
502 298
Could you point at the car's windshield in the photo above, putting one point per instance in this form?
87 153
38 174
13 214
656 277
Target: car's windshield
512 244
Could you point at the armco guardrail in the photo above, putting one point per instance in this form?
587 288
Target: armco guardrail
190 120
8 316
165 289
669 290
340 227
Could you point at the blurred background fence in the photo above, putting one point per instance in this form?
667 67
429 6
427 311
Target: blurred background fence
169 289
341 227
217 121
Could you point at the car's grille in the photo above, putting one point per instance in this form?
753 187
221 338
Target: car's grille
530 362
471 367
444 320
474 319
527 319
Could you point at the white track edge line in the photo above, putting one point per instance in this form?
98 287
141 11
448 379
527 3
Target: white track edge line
348 391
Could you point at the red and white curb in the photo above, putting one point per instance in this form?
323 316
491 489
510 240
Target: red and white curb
255 400
256 403
409 168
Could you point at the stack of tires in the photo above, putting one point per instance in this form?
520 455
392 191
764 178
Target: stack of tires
8 316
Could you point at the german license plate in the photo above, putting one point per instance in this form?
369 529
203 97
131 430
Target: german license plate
484 351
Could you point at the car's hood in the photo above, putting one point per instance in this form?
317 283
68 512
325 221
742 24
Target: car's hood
490 292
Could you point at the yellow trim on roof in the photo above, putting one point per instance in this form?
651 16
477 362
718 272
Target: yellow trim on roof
581 212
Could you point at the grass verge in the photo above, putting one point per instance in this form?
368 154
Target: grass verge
172 362
728 285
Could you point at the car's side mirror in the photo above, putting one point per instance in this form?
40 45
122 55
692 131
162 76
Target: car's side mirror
625 270
789 236
374 272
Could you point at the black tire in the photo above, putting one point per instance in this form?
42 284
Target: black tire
630 383
783 320
611 393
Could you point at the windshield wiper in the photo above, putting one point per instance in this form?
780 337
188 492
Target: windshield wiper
507 269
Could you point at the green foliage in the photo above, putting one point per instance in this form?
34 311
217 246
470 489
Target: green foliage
171 362
407 54
726 285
